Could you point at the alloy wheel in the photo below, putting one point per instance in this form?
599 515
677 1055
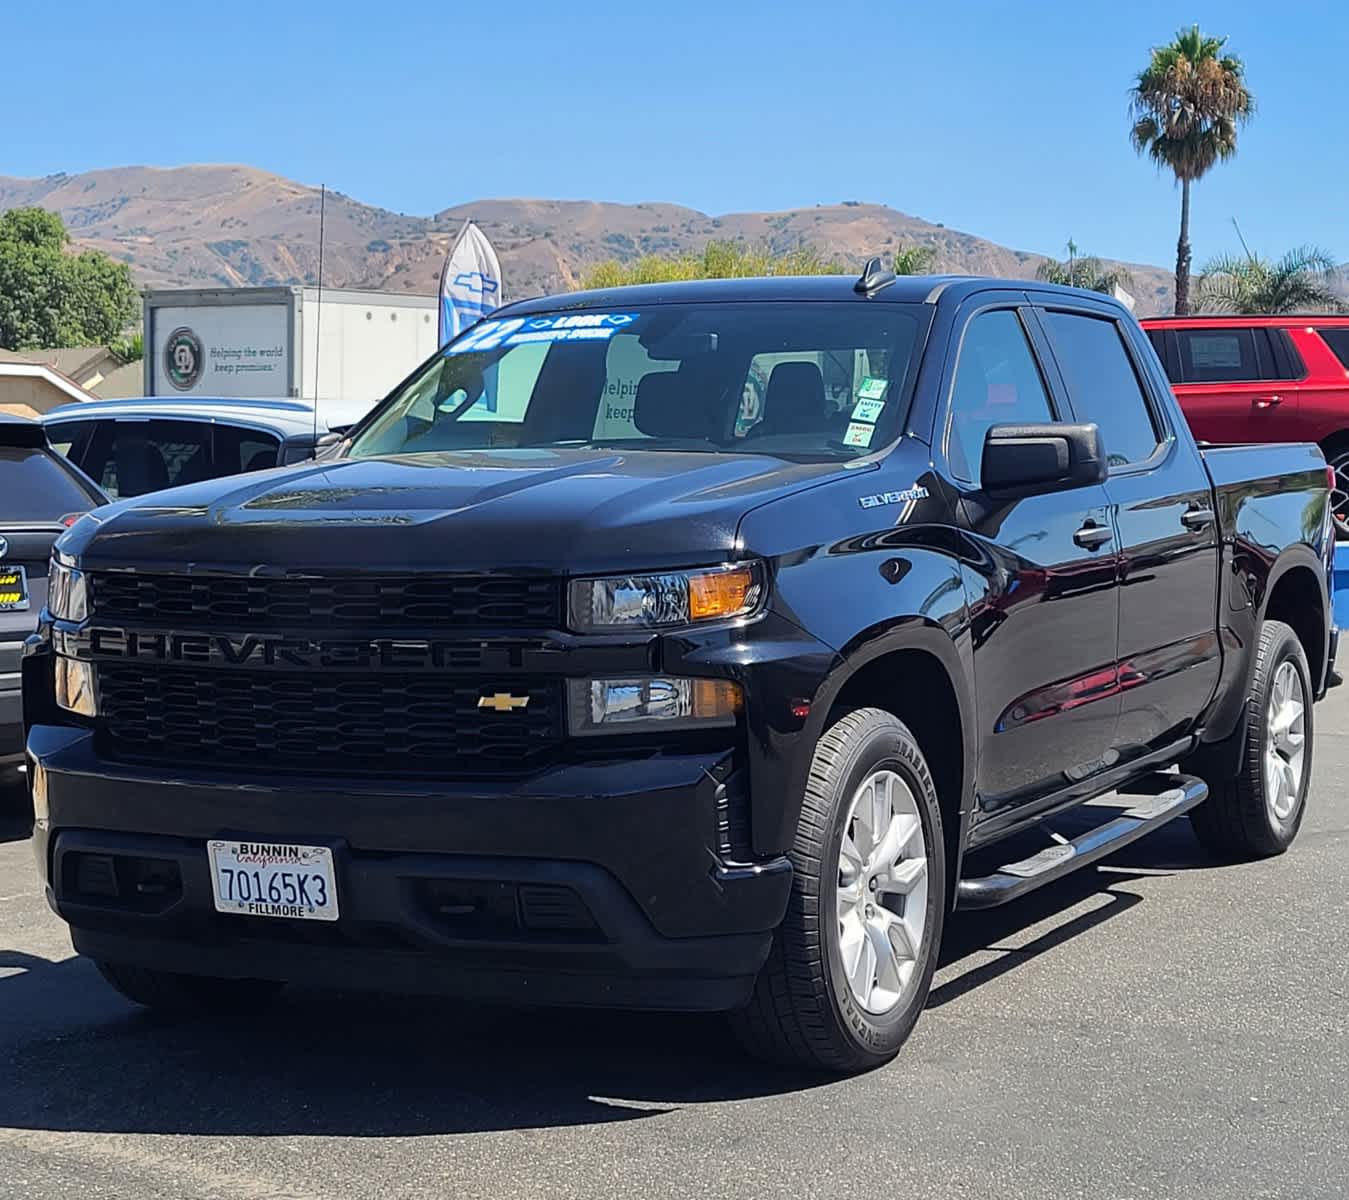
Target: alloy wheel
1285 742
882 892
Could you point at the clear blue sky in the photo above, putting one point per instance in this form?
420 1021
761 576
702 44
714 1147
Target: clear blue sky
1006 120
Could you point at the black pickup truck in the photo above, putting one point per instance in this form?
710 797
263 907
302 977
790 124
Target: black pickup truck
695 646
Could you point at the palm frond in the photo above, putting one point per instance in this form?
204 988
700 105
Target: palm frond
1187 104
1302 280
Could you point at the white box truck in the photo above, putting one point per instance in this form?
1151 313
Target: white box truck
344 349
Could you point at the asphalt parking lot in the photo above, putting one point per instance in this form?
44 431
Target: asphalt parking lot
1158 1027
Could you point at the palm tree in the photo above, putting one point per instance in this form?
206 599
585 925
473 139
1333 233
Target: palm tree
1085 272
1301 281
1186 106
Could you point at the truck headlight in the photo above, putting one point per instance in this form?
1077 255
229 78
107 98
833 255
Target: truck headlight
67 592
620 705
75 691
665 600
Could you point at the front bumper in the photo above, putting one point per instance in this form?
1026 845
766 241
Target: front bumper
588 884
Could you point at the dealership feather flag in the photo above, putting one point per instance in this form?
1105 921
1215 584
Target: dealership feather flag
470 284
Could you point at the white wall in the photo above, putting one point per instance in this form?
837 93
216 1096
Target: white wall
367 350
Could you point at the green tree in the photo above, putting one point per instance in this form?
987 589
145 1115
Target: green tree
1186 107
129 349
1084 271
719 260
50 297
1301 281
914 260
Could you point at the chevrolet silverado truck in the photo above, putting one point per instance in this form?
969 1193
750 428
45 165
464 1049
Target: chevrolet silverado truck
691 646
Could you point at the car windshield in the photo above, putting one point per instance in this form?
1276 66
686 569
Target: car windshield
803 380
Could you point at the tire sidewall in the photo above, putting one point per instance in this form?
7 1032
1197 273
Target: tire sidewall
1284 647
886 746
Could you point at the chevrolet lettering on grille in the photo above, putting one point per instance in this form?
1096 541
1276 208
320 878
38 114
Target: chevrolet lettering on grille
255 650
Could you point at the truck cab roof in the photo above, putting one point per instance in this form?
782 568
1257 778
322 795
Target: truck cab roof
903 289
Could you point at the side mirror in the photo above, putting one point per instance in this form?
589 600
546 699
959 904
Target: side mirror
1021 459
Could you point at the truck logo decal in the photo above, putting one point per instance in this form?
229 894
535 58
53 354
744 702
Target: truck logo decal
183 358
503 702
917 492
476 281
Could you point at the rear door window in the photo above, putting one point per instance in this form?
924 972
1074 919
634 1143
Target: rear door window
1338 341
69 437
1103 385
237 450
130 458
1218 355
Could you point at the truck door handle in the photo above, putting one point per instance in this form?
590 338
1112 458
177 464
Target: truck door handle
1091 535
1267 401
1197 518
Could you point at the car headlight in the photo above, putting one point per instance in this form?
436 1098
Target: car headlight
75 688
665 600
67 592
617 705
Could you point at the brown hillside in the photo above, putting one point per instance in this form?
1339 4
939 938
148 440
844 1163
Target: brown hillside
211 226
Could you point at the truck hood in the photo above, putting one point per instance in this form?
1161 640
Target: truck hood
548 510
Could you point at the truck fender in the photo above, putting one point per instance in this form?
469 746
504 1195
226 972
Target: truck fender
1219 755
910 633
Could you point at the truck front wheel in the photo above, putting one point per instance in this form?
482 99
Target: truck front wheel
187 995
850 966
1257 813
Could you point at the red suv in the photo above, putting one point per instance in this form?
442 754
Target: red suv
1263 379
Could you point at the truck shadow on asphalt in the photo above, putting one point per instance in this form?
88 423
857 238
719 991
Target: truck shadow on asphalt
75 1057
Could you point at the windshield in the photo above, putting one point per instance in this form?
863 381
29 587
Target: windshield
802 380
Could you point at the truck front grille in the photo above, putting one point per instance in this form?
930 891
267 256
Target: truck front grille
379 724
315 604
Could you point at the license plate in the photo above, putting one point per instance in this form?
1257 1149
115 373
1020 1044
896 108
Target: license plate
13 589
273 879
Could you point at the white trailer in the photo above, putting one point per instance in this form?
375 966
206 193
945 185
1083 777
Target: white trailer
344 349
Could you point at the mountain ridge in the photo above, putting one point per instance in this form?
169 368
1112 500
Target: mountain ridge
232 225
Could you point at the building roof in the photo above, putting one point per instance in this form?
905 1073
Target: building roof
19 369
122 383
86 365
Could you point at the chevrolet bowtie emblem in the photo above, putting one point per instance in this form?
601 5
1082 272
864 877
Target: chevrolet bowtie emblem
503 702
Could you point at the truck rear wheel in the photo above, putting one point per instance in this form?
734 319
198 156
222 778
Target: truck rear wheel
1257 813
850 966
185 995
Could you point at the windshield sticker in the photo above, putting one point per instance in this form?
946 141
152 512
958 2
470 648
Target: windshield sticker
587 334
859 434
486 335
520 331
868 410
871 389
580 321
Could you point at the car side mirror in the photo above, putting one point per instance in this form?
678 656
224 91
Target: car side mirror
1022 459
